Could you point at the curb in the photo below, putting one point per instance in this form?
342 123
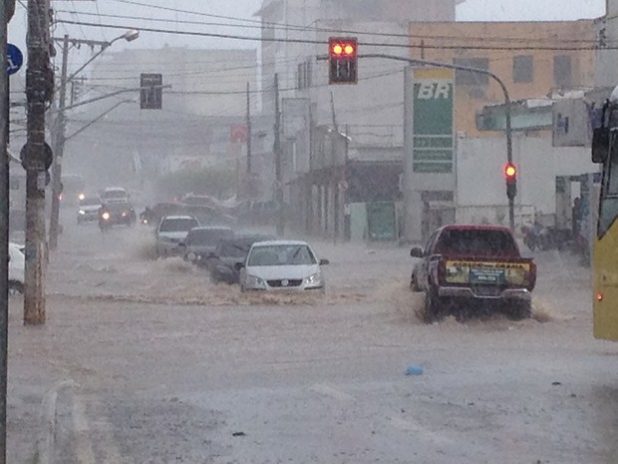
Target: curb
46 440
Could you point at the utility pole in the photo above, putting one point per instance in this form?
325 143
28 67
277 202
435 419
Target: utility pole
278 170
249 154
58 143
4 223
35 156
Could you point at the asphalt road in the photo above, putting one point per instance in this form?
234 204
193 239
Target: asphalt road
172 369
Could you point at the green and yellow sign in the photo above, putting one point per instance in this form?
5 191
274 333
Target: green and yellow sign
433 135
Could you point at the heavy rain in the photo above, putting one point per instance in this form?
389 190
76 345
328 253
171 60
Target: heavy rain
309 231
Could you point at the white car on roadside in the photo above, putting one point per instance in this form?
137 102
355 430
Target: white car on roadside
282 265
17 268
173 231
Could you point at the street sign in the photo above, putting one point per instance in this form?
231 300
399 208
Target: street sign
433 135
151 95
14 57
36 160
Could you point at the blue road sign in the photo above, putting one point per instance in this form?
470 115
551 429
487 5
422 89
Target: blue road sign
15 59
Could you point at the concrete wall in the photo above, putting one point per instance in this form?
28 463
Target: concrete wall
480 181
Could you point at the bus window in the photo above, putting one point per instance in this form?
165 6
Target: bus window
609 200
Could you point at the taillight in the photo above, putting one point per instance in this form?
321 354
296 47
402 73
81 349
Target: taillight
530 277
441 272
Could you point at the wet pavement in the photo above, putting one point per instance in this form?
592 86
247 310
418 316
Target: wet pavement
174 369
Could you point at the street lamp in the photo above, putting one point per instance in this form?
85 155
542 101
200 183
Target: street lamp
129 36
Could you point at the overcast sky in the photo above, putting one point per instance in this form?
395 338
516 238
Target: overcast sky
481 10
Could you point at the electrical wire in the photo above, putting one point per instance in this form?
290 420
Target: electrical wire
325 43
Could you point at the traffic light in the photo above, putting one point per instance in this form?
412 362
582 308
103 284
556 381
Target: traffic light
343 60
510 174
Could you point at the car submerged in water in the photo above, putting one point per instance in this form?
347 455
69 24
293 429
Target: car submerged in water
282 265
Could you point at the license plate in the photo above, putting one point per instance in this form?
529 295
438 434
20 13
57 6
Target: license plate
487 276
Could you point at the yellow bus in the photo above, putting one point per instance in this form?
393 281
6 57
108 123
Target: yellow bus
605 262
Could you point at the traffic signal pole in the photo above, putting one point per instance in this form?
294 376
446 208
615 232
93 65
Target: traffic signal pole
507 103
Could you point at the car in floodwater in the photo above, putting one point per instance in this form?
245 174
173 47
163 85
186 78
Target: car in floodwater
223 263
88 210
282 265
171 232
202 242
116 213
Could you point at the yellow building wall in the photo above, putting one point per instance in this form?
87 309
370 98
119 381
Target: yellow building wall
500 43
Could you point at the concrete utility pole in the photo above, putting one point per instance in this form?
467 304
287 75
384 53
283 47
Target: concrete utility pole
58 147
5 14
278 167
35 156
249 136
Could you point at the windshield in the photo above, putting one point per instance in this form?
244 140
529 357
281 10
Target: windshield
476 243
178 225
207 236
281 255
90 201
113 194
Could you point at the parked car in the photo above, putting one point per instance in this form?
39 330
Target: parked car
88 210
171 232
202 242
223 264
116 213
282 265
473 267
17 268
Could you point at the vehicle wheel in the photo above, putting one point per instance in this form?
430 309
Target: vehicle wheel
16 287
434 307
520 310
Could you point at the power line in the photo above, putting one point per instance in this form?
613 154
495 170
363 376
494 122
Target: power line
297 27
325 43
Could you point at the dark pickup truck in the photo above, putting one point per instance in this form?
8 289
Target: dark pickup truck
470 267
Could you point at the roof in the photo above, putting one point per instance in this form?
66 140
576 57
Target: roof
281 243
210 227
488 227
177 217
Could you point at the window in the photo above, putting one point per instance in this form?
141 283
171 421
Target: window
472 78
523 69
563 72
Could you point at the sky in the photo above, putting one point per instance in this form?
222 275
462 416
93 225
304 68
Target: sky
479 10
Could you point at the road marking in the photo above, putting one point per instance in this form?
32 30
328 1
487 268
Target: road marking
83 445
103 429
328 390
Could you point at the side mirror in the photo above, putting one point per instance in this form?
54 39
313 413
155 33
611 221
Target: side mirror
182 245
417 252
324 262
239 266
600 144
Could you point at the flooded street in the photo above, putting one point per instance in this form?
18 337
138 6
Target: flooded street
168 367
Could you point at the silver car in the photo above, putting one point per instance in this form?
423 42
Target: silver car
172 231
282 266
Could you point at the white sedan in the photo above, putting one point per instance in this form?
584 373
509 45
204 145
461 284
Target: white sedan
282 266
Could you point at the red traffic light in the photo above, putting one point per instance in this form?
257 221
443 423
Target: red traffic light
510 171
343 60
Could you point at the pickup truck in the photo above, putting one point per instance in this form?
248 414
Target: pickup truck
473 266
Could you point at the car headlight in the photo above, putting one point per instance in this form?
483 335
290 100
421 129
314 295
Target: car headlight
105 216
255 282
314 279
81 196
124 214
81 212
